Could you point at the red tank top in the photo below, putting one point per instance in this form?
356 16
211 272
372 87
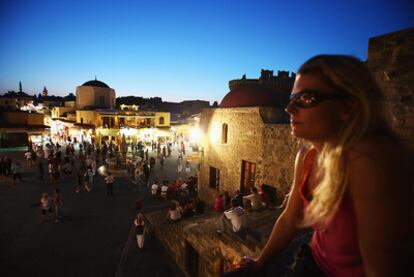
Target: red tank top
335 247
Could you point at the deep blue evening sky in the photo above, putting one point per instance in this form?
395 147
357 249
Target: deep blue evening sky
179 50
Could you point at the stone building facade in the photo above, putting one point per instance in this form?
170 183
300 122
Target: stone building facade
254 141
391 60
246 141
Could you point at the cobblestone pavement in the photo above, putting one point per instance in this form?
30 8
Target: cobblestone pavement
94 238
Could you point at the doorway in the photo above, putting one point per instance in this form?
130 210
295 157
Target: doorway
248 176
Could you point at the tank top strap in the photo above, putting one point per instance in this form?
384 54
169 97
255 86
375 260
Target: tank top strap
307 166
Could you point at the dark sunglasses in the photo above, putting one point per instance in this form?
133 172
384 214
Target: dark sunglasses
309 99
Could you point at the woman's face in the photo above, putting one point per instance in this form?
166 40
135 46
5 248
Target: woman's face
318 123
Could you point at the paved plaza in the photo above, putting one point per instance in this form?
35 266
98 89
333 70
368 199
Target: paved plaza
95 236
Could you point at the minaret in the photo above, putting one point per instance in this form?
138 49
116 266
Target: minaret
44 91
20 86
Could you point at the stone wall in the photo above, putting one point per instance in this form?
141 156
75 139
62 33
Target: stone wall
391 60
269 146
280 149
244 143
215 250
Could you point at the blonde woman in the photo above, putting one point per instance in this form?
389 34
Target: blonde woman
352 184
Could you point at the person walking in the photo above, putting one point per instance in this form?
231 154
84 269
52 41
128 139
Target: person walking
57 204
17 172
162 159
79 183
8 165
50 172
147 172
109 182
140 231
88 180
152 163
179 163
45 206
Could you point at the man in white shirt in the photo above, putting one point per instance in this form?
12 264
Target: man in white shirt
235 214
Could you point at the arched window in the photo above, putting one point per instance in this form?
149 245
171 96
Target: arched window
161 120
224 132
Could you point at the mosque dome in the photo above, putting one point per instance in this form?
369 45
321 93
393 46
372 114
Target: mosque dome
95 83
250 95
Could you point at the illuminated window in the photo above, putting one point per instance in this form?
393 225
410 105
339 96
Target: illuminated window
224 132
161 120
214 181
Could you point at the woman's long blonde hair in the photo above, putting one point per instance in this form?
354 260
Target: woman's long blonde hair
345 74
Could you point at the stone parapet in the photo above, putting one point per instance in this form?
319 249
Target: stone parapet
198 239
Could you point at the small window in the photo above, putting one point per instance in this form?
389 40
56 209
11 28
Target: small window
101 100
224 132
161 120
214 181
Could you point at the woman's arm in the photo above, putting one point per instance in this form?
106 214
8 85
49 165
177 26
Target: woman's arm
286 225
381 194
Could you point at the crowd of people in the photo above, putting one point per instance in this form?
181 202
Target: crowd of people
80 162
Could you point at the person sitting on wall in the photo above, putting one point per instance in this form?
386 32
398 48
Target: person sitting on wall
173 214
266 199
235 214
227 200
255 199
188 209
238 196
218 203
199 206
